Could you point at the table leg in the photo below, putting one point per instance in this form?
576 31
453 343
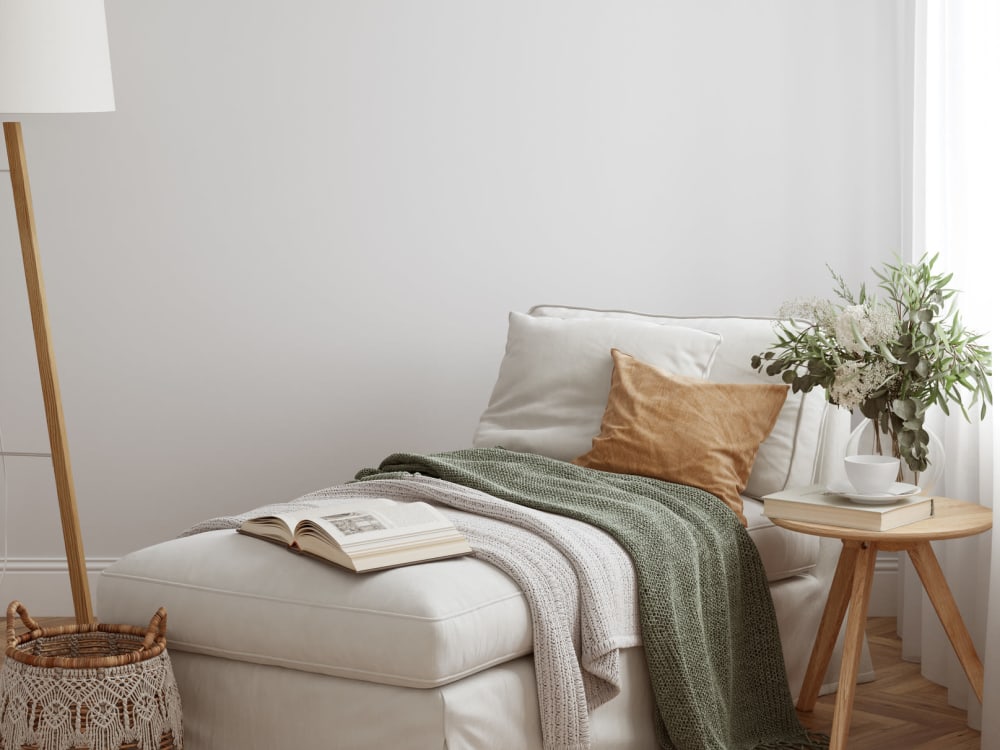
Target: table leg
829 627
864 571
929 570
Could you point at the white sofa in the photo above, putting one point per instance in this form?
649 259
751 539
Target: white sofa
275 650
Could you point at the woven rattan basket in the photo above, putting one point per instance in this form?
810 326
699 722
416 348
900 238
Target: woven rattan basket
93 686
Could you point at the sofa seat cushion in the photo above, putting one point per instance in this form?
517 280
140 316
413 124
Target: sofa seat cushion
232 596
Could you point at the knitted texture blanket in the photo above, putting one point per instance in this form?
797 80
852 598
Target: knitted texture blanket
579 585
706 616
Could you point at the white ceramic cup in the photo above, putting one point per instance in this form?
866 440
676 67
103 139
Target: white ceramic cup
871 475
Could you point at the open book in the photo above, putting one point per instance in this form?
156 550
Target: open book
369 534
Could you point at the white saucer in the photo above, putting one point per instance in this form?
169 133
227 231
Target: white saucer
897 491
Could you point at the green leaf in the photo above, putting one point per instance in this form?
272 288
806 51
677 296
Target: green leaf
884 351
904 408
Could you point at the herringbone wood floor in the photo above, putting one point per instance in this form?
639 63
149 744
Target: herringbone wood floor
900 710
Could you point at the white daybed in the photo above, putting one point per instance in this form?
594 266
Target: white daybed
276 650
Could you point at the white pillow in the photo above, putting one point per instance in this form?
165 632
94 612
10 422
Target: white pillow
555 376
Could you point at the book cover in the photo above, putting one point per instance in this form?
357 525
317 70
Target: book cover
816 504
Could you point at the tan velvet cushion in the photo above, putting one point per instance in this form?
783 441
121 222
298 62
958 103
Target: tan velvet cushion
683 430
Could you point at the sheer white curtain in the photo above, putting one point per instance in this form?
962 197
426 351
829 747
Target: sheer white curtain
956 212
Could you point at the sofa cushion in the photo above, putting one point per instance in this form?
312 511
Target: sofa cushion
790 454
683 430
785 553
231 596
555 376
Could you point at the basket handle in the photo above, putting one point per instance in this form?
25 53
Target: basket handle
16 608
157 628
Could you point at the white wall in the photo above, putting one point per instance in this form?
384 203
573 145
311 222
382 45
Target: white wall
292 249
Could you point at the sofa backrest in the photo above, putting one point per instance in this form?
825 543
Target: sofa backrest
807 442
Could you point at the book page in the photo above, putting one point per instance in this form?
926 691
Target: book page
279 527
358 524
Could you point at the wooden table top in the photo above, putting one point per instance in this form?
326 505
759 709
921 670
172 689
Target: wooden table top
952 519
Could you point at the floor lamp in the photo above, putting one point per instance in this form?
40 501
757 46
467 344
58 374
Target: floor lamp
54 58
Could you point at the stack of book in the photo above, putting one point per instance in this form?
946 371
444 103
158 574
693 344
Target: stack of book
818 504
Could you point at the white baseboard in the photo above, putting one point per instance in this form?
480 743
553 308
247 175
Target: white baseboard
885 592
42 584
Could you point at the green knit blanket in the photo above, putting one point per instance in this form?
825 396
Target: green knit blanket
708 623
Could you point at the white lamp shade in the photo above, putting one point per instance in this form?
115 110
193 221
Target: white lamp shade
54 57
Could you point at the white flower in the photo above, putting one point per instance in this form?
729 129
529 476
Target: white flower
855 380
860 328
884 324
808 308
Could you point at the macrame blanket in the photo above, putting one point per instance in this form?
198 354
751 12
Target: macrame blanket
707 620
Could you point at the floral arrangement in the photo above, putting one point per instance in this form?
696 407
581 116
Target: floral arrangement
890 357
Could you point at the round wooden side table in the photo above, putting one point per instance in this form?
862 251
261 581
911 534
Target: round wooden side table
851 588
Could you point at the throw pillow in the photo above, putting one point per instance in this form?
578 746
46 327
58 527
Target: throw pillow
555 376
683 430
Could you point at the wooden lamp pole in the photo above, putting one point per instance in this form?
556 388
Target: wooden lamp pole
54 58
79 585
